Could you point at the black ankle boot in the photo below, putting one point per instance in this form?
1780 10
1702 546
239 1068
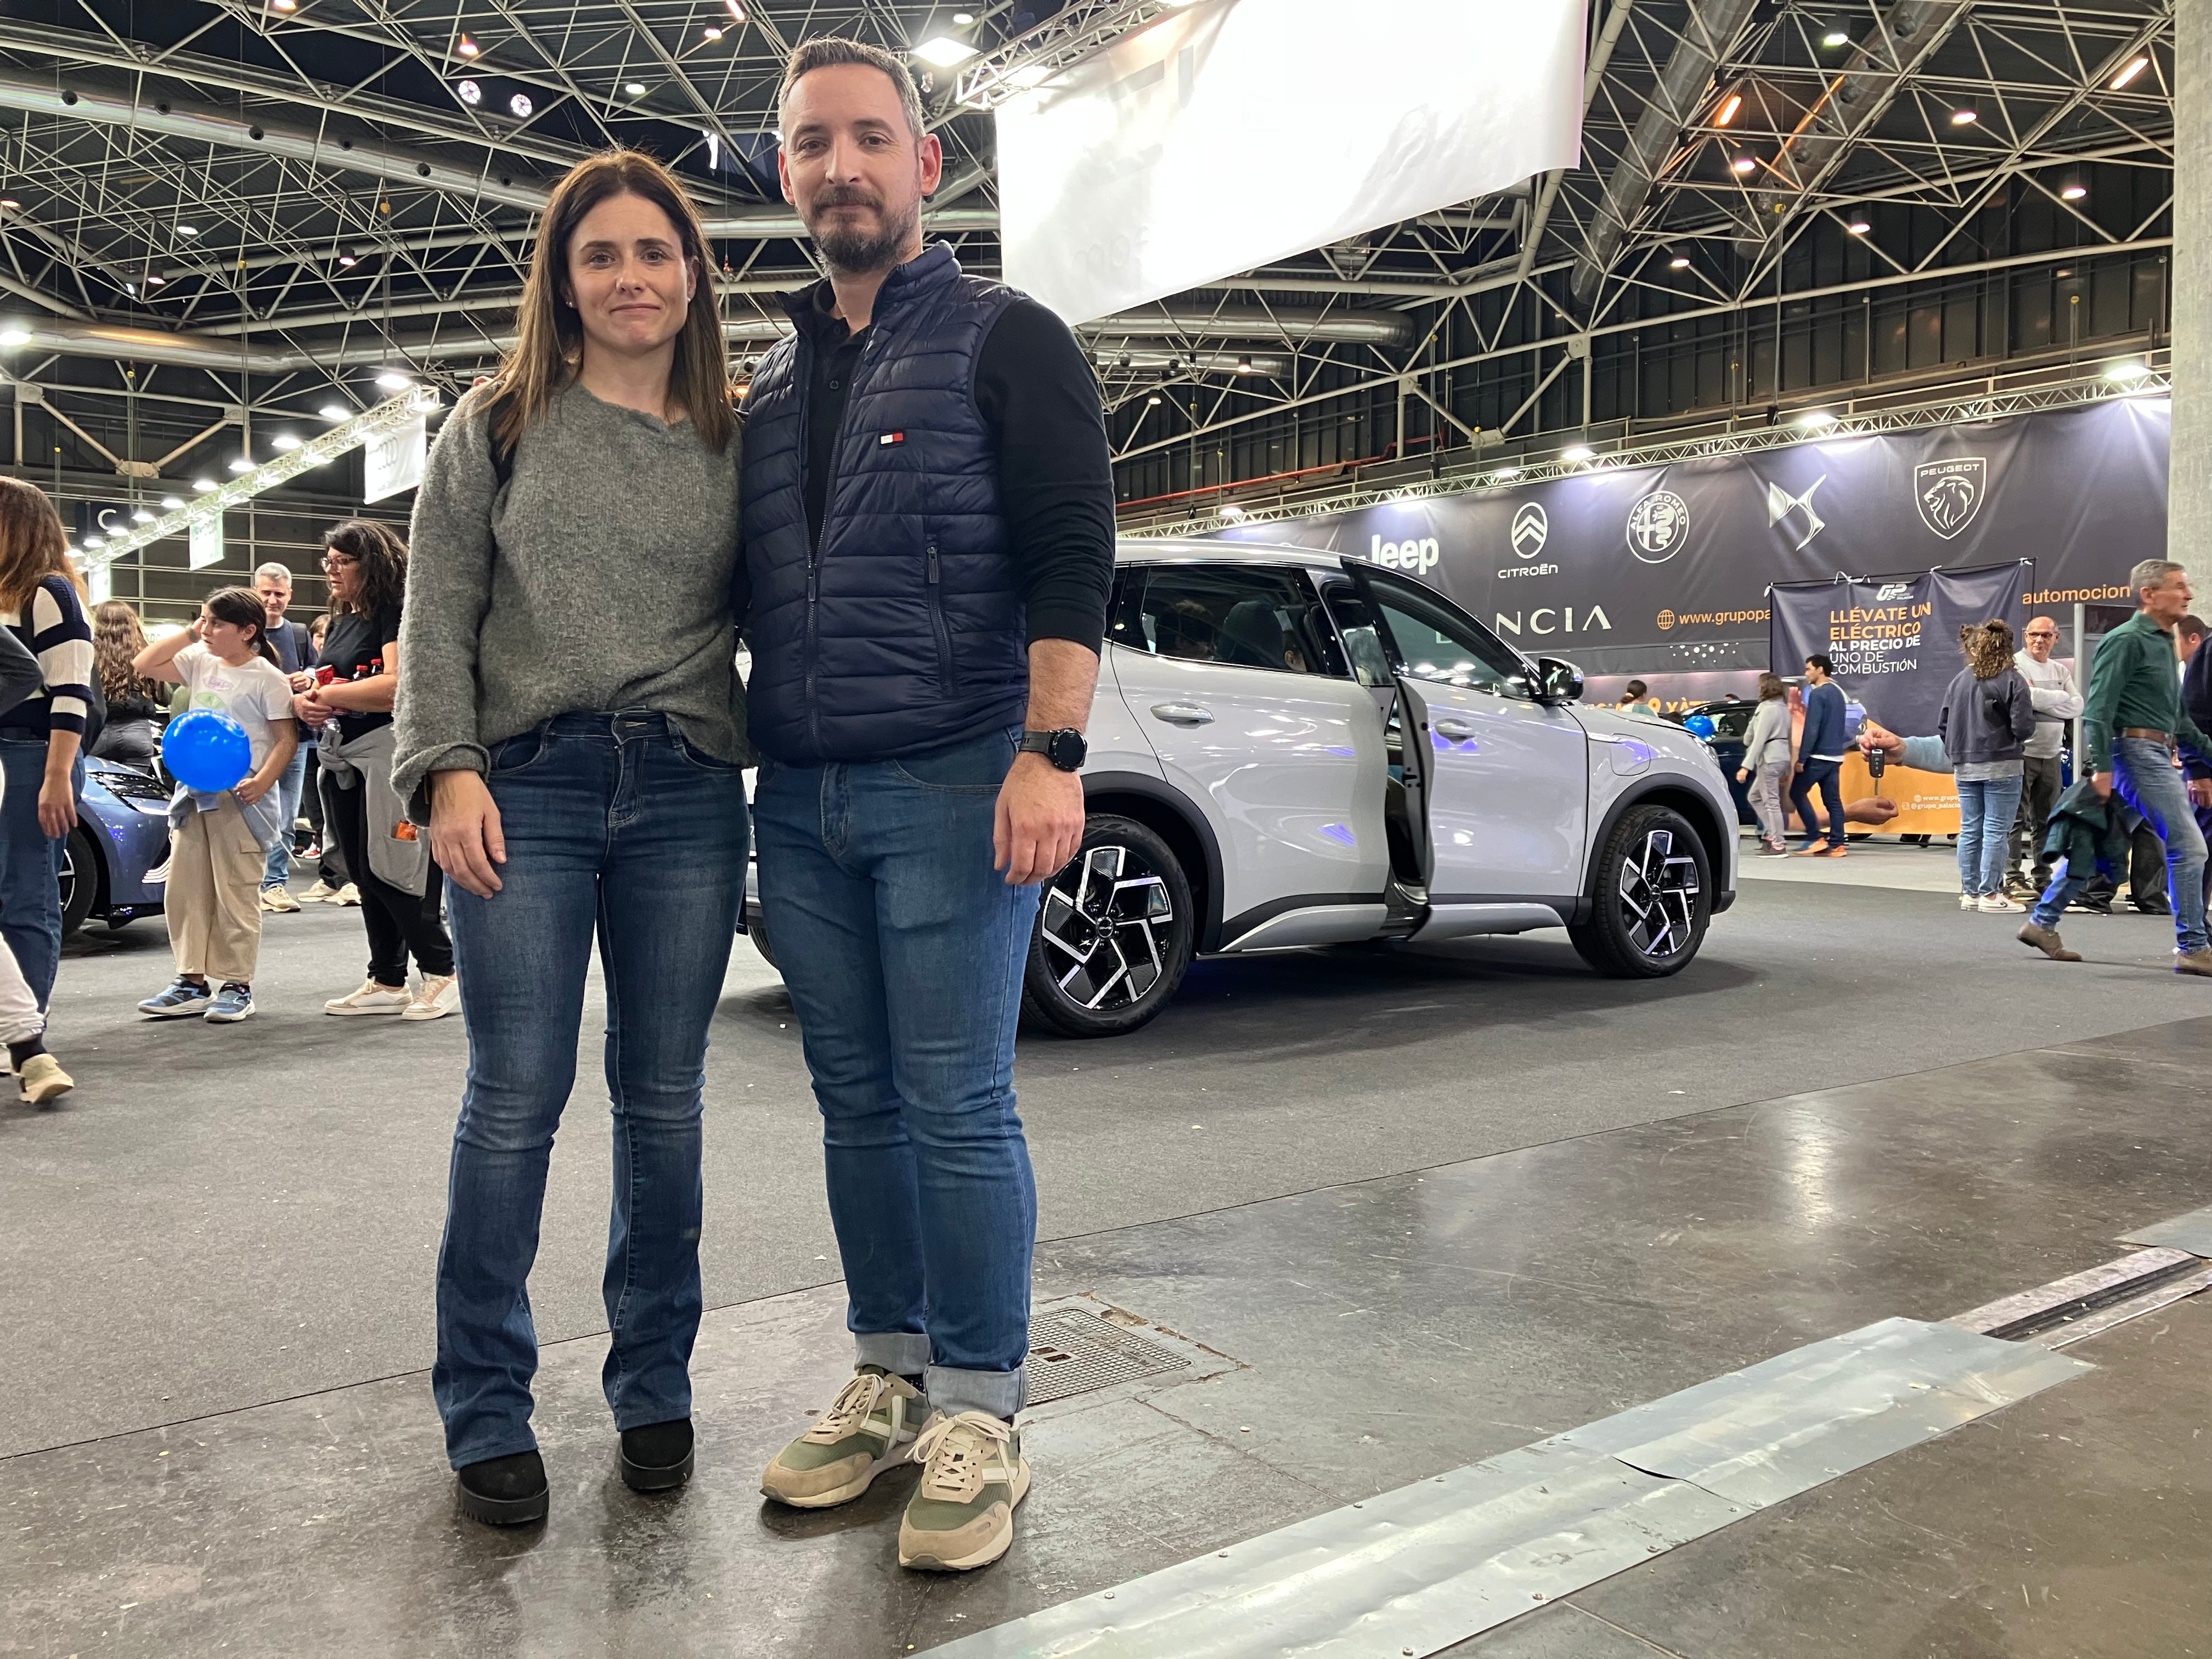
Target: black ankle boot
657 1457
504 1491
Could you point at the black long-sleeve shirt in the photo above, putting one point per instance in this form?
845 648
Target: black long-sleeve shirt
1040 401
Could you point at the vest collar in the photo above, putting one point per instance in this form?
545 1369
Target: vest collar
811 309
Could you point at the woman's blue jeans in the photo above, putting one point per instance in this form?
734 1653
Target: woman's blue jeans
903 951
30 864
1987 807
614 825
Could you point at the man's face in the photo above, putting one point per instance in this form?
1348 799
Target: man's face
1813 673
2042 638
275 596
853 168
2185 645
2169 602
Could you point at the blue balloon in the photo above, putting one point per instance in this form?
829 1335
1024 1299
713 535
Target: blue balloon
207 752
1700 726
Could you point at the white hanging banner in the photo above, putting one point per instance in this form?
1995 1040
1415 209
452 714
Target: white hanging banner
206 543
1236 132
392 461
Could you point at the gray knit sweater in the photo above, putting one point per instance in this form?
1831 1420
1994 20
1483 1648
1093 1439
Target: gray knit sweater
597 577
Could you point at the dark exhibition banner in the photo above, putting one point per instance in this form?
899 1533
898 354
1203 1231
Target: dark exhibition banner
1667 568
1895 643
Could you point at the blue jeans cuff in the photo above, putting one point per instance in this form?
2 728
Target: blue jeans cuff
905 1353
999 1393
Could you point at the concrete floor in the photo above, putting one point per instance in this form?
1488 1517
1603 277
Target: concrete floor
1433 1205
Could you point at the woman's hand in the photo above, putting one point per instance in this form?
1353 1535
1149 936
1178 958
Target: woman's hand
464 830
310 707
56 805
1743 775
253 789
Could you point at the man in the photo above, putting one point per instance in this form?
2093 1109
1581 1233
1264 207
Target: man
929 536
2130 724
1820 760
2197 702
294 652
2057 700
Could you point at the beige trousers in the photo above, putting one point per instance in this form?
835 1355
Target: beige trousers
214 897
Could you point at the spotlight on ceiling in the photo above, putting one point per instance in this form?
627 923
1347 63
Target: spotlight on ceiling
1964 117
95 541
188 230
335 412
171 503
392 380
1230 510
1728 109
1243 365
467 47
155 279
239 464
963 18
945 51
1152 403
633 89
2136 66
469 92
346 261
1816 418
1742 164
2128 369
1835 38
712 32
10 203
736 9
520 106
204 484
14 336
1680 261
140 515
1858 226
1505 475
2072 192
284 440
1577 453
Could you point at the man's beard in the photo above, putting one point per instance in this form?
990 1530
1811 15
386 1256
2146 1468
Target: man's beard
851 251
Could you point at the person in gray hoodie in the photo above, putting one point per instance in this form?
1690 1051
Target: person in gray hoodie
1767 764
1987 716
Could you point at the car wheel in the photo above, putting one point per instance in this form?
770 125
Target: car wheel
1114 933
1653 898
756 931
80 879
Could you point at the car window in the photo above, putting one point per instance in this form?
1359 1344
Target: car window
1731 723
1239 616
1435 643
1355 625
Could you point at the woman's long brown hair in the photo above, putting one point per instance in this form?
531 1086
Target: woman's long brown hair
32 545
118 635
550 334
1989 648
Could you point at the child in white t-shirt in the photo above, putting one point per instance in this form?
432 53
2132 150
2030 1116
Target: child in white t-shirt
220 840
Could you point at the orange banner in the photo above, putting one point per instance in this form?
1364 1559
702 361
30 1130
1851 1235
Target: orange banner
1927 802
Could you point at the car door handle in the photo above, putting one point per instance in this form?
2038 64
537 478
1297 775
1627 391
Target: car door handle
1183 714
1457 731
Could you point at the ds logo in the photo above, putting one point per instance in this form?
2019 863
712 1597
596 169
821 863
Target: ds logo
1419 555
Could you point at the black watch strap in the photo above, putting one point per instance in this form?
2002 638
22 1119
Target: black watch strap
1064 747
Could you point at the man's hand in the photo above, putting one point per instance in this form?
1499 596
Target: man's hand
2102 783
1869 810
56 805
2200 791
310 707
464 830
1873 737
1039 823
253 789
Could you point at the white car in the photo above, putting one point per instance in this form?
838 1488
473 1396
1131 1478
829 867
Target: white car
1251 788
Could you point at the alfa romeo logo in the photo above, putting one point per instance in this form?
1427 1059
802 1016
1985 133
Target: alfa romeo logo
1530 527
1949 493
1657 526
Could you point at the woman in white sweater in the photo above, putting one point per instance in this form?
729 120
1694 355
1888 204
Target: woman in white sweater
1766 764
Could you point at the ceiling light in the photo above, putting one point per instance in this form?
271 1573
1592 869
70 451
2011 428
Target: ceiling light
1030 76
282 5
945 51
634 88
469 92
95 541
520 106
155 279
1680 261
170 503
737 10
14 337
2072 192
1742 164
1152 403
1230 510
2129 370
334 412
1243 365
1964 117
346 261
1577 453
2135 67
1505 473
712 32
1728 109
1835 38
188 230
467 47
10 203
392 380
1858 226
239 464
1816 418
284 440
204 484
140 515
963 18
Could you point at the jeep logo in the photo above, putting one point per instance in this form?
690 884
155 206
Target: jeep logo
1420 555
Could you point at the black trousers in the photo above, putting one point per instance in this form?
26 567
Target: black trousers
398 923
2146 873
2042 780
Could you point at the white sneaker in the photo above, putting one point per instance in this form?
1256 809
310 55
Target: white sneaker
1970 901
348 893
438 998
1997 904
319 893
370 998
278 900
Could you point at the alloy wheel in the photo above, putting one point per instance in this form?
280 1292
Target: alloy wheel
1659 895
1103 927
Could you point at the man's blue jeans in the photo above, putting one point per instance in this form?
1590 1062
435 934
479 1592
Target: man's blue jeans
31 865
279 870
1987 807
613 824
903 950
2143 776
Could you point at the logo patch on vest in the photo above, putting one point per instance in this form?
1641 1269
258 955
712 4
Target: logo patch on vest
892 438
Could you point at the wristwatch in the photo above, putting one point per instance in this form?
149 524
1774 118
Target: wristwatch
1064 747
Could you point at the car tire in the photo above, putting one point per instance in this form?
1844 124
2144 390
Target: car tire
80 880
1114 933
1652 899
756 931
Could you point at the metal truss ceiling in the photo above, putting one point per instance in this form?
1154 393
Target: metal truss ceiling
290 195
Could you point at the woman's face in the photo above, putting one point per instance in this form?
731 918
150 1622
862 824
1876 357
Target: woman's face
342 571
225 639
626 277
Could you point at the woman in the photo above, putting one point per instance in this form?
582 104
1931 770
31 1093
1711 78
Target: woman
1987 717
219 838
333 885
132 734
573 708
42 600
402 897
1766 766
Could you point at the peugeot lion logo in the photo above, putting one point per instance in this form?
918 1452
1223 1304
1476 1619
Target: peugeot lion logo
1949 493
1657 526
1530 527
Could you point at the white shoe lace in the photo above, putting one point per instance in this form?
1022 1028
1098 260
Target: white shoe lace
957 1468
854 1404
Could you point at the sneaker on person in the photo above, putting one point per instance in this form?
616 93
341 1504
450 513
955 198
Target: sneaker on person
1997 904
439 997
321 893
348 894
183 997
311 851
370 998
1832 850
1773 849
278 900
232 1004
870 1427
2046 941
1970 901
973 1475
1811 849
42 1079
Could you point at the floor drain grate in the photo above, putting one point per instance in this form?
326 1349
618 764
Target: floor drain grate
1074 1347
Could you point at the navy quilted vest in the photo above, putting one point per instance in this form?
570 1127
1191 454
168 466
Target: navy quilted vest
904 629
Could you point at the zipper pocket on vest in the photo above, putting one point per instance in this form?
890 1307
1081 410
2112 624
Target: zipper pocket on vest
945 683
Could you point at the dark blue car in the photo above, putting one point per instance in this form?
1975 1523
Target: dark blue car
122 832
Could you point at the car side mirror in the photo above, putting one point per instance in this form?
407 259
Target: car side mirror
1553 681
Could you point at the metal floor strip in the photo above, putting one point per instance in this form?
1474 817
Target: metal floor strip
1414 1570
2191 1232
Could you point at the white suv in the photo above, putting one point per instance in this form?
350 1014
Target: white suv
1251 788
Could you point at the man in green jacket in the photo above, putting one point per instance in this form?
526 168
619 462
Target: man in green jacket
2130 726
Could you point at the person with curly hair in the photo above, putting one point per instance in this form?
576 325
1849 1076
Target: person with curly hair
1988 715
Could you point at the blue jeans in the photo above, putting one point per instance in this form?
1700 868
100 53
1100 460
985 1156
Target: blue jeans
1987 807
279 870
1827 777
2144 777
903 950
31 865
613 824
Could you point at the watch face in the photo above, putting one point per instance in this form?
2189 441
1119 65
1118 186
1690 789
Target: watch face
1068 751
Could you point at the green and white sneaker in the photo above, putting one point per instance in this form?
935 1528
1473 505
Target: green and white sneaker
869 1427
962 1515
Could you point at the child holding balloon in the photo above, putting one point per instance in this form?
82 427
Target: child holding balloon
225 813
